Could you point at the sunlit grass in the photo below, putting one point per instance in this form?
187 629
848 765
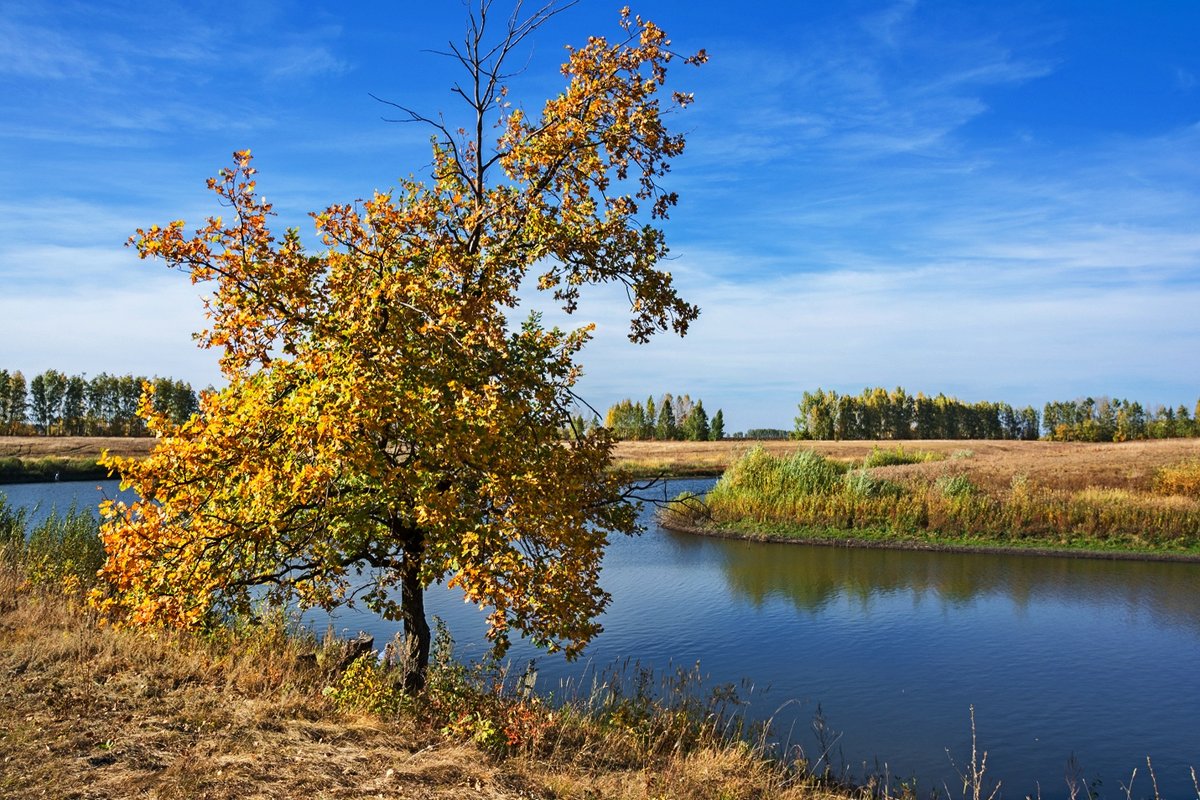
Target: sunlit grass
806 491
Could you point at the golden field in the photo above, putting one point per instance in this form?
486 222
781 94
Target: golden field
991 464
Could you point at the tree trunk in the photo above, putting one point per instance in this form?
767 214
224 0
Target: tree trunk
415 653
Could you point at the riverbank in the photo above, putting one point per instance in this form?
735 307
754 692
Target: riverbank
883 539
1138 500
259 708
34 459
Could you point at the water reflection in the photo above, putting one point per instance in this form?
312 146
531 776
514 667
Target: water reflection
813 578
1059 657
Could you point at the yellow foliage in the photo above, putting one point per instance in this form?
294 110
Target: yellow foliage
383 426
1181 479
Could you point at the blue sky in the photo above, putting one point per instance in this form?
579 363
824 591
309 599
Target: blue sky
994 200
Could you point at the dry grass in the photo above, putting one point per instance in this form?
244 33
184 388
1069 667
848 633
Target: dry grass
91 712
1091 499
74 446
991 465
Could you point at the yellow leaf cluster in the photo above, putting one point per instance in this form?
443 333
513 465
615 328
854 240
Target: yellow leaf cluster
386 423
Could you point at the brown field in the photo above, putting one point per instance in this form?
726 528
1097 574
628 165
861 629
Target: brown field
991 464
73 446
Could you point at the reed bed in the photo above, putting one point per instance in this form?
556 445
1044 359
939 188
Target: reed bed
807 495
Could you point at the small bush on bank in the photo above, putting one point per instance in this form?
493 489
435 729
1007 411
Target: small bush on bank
955 486
884 457
12 533
1181 479
63 551
861 483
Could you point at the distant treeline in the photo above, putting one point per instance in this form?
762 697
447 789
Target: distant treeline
879 414
1116 420
56 404
673 417
762 433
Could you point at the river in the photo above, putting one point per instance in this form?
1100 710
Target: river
1090 661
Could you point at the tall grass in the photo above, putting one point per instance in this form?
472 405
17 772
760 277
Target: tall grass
806 491
63 550
885 457
1180 479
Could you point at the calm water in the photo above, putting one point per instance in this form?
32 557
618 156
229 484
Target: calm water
1059 657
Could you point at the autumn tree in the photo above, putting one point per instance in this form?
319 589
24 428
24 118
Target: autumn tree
386 425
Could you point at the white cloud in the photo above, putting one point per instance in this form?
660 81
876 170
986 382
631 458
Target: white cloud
143 330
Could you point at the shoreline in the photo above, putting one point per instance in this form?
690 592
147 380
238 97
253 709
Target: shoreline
912 545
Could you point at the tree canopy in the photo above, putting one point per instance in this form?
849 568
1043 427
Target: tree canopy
386 425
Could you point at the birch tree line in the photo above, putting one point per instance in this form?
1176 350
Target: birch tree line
53 403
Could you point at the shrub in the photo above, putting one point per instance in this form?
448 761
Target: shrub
808 472
65 550
880 457
12 532
1182 479
861 483
366 685
955 486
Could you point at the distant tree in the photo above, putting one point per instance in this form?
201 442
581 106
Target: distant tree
695 426
650 419
39 404
5 399
665 429
682 407
1030 424
18 403
56 392
716 430
767 433
174 398
626 420
74 413
817 415
1183 422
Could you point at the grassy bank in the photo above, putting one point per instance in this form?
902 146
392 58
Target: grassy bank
259 708
930 499
50 468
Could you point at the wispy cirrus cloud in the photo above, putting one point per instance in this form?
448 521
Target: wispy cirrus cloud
40 52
